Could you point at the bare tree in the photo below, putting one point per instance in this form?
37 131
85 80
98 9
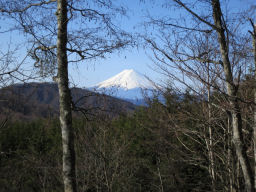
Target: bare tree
180 49
232 93
82 30
253 33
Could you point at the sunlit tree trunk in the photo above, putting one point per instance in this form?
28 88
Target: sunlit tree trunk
69 173
210 152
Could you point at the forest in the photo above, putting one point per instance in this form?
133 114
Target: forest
196 133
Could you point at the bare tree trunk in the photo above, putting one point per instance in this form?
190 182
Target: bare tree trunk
229 155
232 92
212 172
254 125
69 173
210 152
159 175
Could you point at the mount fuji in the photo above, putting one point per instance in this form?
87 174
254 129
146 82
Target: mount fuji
128 84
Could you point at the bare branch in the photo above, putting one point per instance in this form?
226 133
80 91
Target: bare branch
195 15
27 7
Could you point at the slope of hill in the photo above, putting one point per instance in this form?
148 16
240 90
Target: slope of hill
41 100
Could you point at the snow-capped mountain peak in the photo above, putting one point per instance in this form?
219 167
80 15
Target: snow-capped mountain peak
127 79
129 85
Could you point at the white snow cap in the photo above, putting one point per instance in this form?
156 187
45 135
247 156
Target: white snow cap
127 79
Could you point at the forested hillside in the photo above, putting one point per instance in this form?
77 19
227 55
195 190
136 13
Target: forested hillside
159 147
41 100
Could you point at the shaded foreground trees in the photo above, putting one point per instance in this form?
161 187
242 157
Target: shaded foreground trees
92 34
162 147
158 148
140 152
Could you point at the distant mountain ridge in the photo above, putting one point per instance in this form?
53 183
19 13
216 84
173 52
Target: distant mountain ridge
33 100
128 84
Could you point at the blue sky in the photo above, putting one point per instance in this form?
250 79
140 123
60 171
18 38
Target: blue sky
89 73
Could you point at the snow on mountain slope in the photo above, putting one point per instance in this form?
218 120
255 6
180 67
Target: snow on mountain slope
128 84
127 79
